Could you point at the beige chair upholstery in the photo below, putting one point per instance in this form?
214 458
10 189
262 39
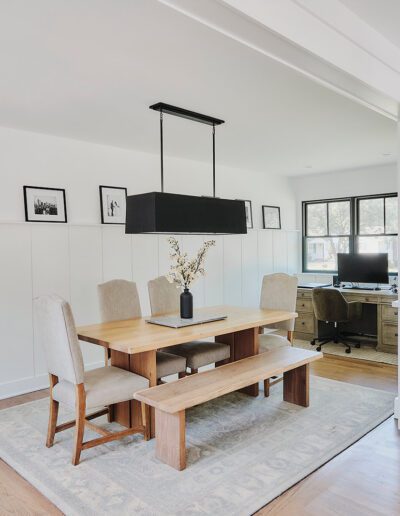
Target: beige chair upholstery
164 298
119 300
56 332
70 384
103 386
278 292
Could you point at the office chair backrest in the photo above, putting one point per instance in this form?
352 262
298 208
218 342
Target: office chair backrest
119 300
279 292
56 330
329 305
164 296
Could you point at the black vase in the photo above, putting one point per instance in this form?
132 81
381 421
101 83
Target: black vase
186 304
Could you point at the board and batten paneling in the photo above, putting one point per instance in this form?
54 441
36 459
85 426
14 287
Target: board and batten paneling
70 260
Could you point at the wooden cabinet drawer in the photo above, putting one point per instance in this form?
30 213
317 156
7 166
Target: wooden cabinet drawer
305 323
390 334
304 294
304 305
389 313
362 298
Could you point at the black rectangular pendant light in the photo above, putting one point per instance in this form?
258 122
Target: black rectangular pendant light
158 212
161 212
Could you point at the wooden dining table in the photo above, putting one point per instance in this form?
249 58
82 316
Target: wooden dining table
134 342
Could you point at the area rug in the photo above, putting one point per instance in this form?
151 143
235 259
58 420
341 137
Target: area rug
242 453
366 352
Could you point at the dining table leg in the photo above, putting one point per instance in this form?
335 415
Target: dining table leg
128 413
243 344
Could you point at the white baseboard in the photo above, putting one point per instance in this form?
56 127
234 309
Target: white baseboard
397 408
33 383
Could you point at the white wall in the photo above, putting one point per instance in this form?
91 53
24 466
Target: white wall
71 259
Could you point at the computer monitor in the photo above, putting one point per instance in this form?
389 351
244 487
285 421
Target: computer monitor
363 268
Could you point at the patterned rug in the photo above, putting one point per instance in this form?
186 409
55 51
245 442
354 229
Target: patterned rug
367 351
242 453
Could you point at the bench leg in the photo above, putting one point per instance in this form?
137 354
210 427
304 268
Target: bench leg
266 388
296 385
170 438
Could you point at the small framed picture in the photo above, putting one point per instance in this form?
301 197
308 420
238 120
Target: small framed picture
45 204
112 204
249 214
271 217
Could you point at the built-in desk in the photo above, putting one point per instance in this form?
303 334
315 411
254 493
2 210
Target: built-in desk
378 308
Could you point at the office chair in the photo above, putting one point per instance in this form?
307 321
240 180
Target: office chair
331 306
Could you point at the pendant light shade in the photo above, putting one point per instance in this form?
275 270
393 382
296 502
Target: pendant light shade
158 212
161 212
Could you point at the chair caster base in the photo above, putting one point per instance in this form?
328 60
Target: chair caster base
319 348
348 350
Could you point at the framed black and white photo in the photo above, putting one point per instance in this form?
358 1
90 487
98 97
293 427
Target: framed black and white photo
249 214
45 204
271 217
113 204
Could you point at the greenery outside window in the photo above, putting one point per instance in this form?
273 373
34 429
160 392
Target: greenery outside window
352 224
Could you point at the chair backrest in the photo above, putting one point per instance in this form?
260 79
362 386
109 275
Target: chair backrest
329 305
164 296
56 330
279 292
119 300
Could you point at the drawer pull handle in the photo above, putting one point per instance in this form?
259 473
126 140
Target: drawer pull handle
302 322
396 313
396 335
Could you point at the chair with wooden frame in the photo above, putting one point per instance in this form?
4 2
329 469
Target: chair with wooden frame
278 292
80 390
119 300
164 298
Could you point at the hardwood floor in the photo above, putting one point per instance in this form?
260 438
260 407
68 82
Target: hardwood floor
363 480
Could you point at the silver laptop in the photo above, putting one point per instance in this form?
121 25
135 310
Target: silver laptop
174 321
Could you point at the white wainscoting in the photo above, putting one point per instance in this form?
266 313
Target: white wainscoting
70 260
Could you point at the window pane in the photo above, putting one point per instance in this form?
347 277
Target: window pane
316 219
321 253
339 218
371 216
391 214
380 244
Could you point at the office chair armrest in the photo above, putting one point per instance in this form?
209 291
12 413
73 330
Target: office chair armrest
354 310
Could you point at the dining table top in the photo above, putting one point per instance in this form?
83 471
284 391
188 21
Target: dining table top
137 336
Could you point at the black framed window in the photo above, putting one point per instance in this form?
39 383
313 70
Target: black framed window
366 224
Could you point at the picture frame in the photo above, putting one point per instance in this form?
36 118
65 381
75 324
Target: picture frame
271 217
249 213
113 204
44 204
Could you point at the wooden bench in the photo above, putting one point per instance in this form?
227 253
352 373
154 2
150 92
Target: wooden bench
172 399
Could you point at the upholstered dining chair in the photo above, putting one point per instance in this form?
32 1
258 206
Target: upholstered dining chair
119 300
164 298
72 385
278 292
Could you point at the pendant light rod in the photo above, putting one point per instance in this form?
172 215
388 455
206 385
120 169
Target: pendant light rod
213 139
190 115
162 150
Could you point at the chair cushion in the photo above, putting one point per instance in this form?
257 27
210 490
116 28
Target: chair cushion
103 386
272 341
200 353
169 364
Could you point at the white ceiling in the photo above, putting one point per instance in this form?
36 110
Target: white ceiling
89 70
382 15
